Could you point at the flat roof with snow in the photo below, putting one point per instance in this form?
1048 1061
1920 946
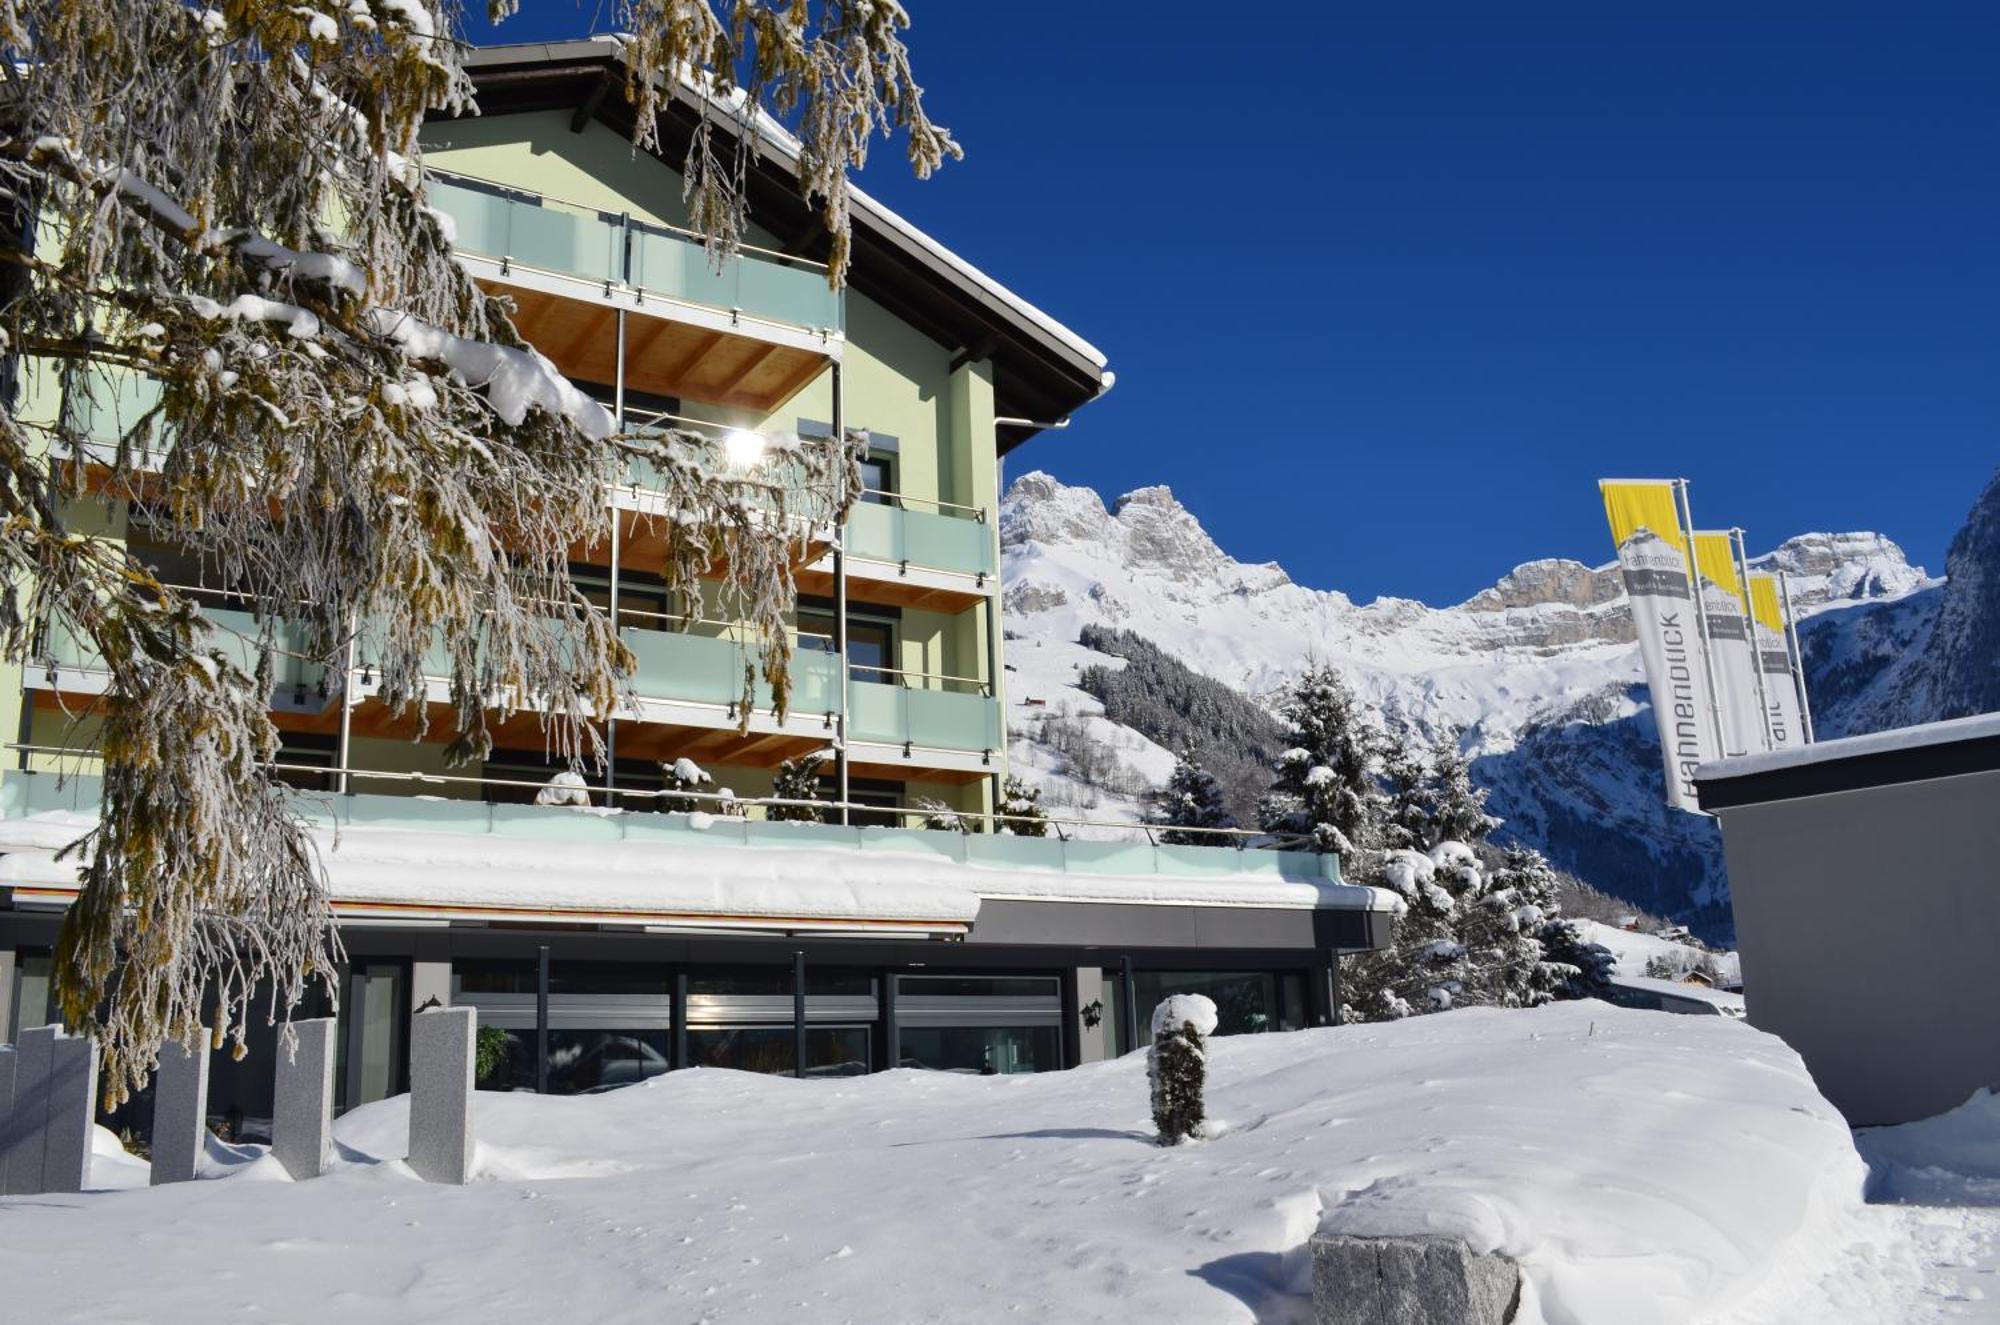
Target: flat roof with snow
1905 754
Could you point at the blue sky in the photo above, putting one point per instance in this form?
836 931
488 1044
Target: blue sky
1388 287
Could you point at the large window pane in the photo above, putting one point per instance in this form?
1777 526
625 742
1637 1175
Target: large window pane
1245 1001
778 980
579 1061
987 1050
831 1051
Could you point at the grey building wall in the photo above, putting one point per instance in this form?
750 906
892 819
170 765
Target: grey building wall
1869 923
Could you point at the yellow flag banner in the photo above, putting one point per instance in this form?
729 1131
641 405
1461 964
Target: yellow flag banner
1738 693
1644 515
1781 695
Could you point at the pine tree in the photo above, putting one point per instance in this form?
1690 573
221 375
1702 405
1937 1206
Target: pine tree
229 200
1325 790
797 780
1457 808
1192 799
1406 817
1021 808
1177 1066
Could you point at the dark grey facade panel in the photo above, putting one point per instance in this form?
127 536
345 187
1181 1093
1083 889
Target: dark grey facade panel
1868 920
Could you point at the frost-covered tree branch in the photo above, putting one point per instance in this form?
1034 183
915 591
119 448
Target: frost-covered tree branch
345 429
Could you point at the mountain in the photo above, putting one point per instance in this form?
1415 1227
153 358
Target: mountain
1539 673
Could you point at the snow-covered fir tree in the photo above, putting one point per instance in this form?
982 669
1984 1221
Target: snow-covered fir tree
1455 806
229 200
1325 789
1572 966
1192 799
1177 1066
798 780
1021 806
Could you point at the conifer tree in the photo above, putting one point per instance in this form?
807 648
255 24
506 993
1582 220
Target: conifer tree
1325 789
1406 815
797 780
229 200
1021 809
1192 799
1456 807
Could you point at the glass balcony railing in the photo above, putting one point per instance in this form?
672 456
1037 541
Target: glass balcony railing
25 793
233 632
933 539
934 719
567 239
708 669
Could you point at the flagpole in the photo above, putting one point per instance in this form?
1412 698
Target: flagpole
1750 628
1700 613
1796 654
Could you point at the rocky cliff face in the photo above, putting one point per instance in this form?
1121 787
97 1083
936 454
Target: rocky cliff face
1938 657
1539 671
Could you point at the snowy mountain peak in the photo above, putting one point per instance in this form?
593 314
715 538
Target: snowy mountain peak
1145 530
1539 673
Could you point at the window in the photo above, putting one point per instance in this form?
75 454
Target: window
33 978
1245 1001
831 1051
871 644
581 1062
878 481
989 1024
643 600
771 980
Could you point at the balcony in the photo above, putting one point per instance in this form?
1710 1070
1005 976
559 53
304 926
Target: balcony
750 333
74 666
25 794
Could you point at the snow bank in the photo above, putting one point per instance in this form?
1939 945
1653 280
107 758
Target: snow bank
1643 1168
1953 1158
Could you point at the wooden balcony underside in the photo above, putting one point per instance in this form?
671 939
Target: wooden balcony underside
663 356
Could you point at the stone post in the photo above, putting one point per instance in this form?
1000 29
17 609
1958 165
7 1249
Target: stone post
1424 1280
9 963
9 1056
441 1050
24 1130
72 1113
180 1111
302 1121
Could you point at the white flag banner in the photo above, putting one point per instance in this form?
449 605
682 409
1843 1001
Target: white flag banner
1736 689
1652 556
1781 692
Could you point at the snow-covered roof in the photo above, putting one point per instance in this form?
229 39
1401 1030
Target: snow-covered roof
586 865
1725 1002
1927 734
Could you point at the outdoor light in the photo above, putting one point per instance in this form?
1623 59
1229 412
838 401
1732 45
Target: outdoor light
367 675
742 449
299 694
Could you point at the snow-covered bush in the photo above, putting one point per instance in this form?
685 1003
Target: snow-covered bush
1177 1066
685 774
941 818
565 788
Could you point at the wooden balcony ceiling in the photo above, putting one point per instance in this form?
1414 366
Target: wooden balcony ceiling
888 592
662 356
642 545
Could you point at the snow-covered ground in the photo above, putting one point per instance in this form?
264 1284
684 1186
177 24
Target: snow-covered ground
1631 952
1642 1167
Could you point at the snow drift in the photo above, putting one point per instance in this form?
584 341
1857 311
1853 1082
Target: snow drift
1641 1167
